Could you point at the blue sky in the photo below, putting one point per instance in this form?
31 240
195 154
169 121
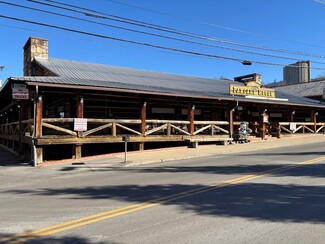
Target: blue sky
296 26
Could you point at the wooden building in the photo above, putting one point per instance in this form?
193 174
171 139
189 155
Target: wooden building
83 105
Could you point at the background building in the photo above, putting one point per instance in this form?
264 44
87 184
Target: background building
296 73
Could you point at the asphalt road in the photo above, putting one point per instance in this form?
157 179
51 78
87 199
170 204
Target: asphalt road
267 196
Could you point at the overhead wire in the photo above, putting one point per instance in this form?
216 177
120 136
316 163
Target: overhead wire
153 34
102 15
211 24
142 43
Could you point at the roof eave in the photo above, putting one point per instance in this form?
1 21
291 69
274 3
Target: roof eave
123 90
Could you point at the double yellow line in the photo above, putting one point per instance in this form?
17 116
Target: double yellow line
50 230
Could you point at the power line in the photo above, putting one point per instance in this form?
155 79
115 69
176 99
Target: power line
167 29
143 43
211 24
153 34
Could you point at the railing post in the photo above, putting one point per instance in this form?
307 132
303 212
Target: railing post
114 129
169 129
278 130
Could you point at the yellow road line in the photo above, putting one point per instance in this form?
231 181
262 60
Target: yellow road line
50 230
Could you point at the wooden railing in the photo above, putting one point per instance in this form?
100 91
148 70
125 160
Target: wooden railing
12 132
297 127
60 130
117 127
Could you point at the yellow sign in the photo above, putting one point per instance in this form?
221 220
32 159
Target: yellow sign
252 89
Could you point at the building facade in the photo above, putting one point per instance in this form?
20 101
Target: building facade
63 109
298 72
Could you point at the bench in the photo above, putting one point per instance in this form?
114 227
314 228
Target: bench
194 142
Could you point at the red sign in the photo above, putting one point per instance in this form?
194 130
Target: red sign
20 93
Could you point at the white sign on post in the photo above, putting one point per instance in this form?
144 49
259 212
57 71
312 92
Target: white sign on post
80 124
293 126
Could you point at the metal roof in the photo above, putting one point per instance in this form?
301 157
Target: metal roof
308 89
77 74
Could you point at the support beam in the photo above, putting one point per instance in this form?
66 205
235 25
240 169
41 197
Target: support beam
291 114
80 114
191 113
39 117
143 124
38 157
262 113
313 118
80 107
231 123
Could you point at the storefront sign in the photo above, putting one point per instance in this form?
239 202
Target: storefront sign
80 124
252 89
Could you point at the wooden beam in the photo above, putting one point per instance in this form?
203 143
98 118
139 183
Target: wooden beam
164 126
231 122
57 128
261 122
105 139
97 129
191 113
38 129
39 116
80 107
143 118
78 151
313 118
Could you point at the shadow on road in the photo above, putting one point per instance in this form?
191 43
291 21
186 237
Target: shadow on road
53 240
270 202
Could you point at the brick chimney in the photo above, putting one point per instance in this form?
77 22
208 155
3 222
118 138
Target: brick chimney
34 47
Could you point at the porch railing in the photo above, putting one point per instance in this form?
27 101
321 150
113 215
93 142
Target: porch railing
118 127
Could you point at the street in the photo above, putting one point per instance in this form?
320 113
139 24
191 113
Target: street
265 196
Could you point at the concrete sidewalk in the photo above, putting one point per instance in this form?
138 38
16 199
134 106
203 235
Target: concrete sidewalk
13 173
169 154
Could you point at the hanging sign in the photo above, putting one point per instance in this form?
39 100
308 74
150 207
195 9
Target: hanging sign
20 93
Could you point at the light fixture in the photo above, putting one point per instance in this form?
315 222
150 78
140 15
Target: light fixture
246 62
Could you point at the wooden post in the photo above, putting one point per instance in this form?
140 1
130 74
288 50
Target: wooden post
113 129
231 122
261 122
169 129
20 130
38 128
80 107
313 118
291 115
143 118
191 113
143 124
80 114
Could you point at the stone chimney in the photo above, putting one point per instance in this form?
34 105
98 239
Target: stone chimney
34 47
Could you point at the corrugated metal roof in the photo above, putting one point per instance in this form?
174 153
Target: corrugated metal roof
309 89
102 76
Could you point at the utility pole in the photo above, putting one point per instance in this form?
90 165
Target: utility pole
1 68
